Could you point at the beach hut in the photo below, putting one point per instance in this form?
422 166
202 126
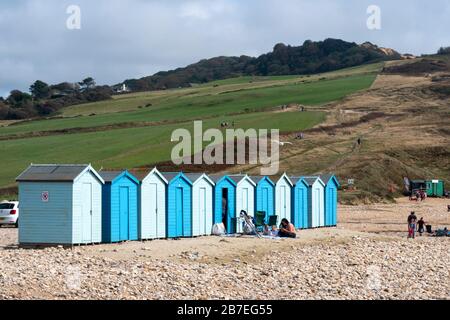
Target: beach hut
179 205
60 205
283 198
225 202
316 201
301 217
331 199
245 197
265 195
435 188
152 201
120 206
202 204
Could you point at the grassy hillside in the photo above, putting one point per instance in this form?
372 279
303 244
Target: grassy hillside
145 136
209 101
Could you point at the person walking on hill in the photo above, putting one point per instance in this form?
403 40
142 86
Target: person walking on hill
412 221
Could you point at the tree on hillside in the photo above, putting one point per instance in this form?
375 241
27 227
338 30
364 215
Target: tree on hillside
4 110
65 87
87 83
40 90
19 99
444 50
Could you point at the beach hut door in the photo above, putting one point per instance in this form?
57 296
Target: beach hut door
124 213
87 213
300 215
316 209
332 201
283 213
245 200
179 212
154 201
265 202
202 210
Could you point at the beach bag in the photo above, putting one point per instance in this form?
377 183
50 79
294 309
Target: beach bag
219 229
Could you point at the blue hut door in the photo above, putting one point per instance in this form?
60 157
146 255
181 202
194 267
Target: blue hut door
154 209
300 215
124 213
86 218
179 212
265 202
333 202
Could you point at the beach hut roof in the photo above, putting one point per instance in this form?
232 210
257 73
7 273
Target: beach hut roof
258 179
112 176
56 173
296 180
194 177
217 178
311 180
169 176
237 178
285 176
326 178
141 175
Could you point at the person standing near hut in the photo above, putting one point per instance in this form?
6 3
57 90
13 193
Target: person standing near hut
421 226
412 220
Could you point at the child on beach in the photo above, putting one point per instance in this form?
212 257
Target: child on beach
274 232
412 220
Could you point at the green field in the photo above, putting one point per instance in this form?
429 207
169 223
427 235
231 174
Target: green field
249 102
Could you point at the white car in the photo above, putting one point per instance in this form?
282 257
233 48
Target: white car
9 213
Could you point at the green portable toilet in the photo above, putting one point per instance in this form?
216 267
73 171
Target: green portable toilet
435 188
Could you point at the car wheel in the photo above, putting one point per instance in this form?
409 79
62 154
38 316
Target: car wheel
16 225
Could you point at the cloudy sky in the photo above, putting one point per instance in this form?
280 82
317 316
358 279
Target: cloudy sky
121 39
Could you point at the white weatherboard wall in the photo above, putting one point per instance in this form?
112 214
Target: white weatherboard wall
202 207
153 207
245 200
283 199
87 209
318 204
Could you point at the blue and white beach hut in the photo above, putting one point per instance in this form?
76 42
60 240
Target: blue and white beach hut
179 205
283 191
301 215
225 202
60 205
316 201
153 208
245 197
331 199
202 204
120 206
265 195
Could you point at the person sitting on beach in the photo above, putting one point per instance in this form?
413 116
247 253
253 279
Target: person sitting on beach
274 232
287 229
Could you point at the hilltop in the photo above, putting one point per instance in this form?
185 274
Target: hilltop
309 58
